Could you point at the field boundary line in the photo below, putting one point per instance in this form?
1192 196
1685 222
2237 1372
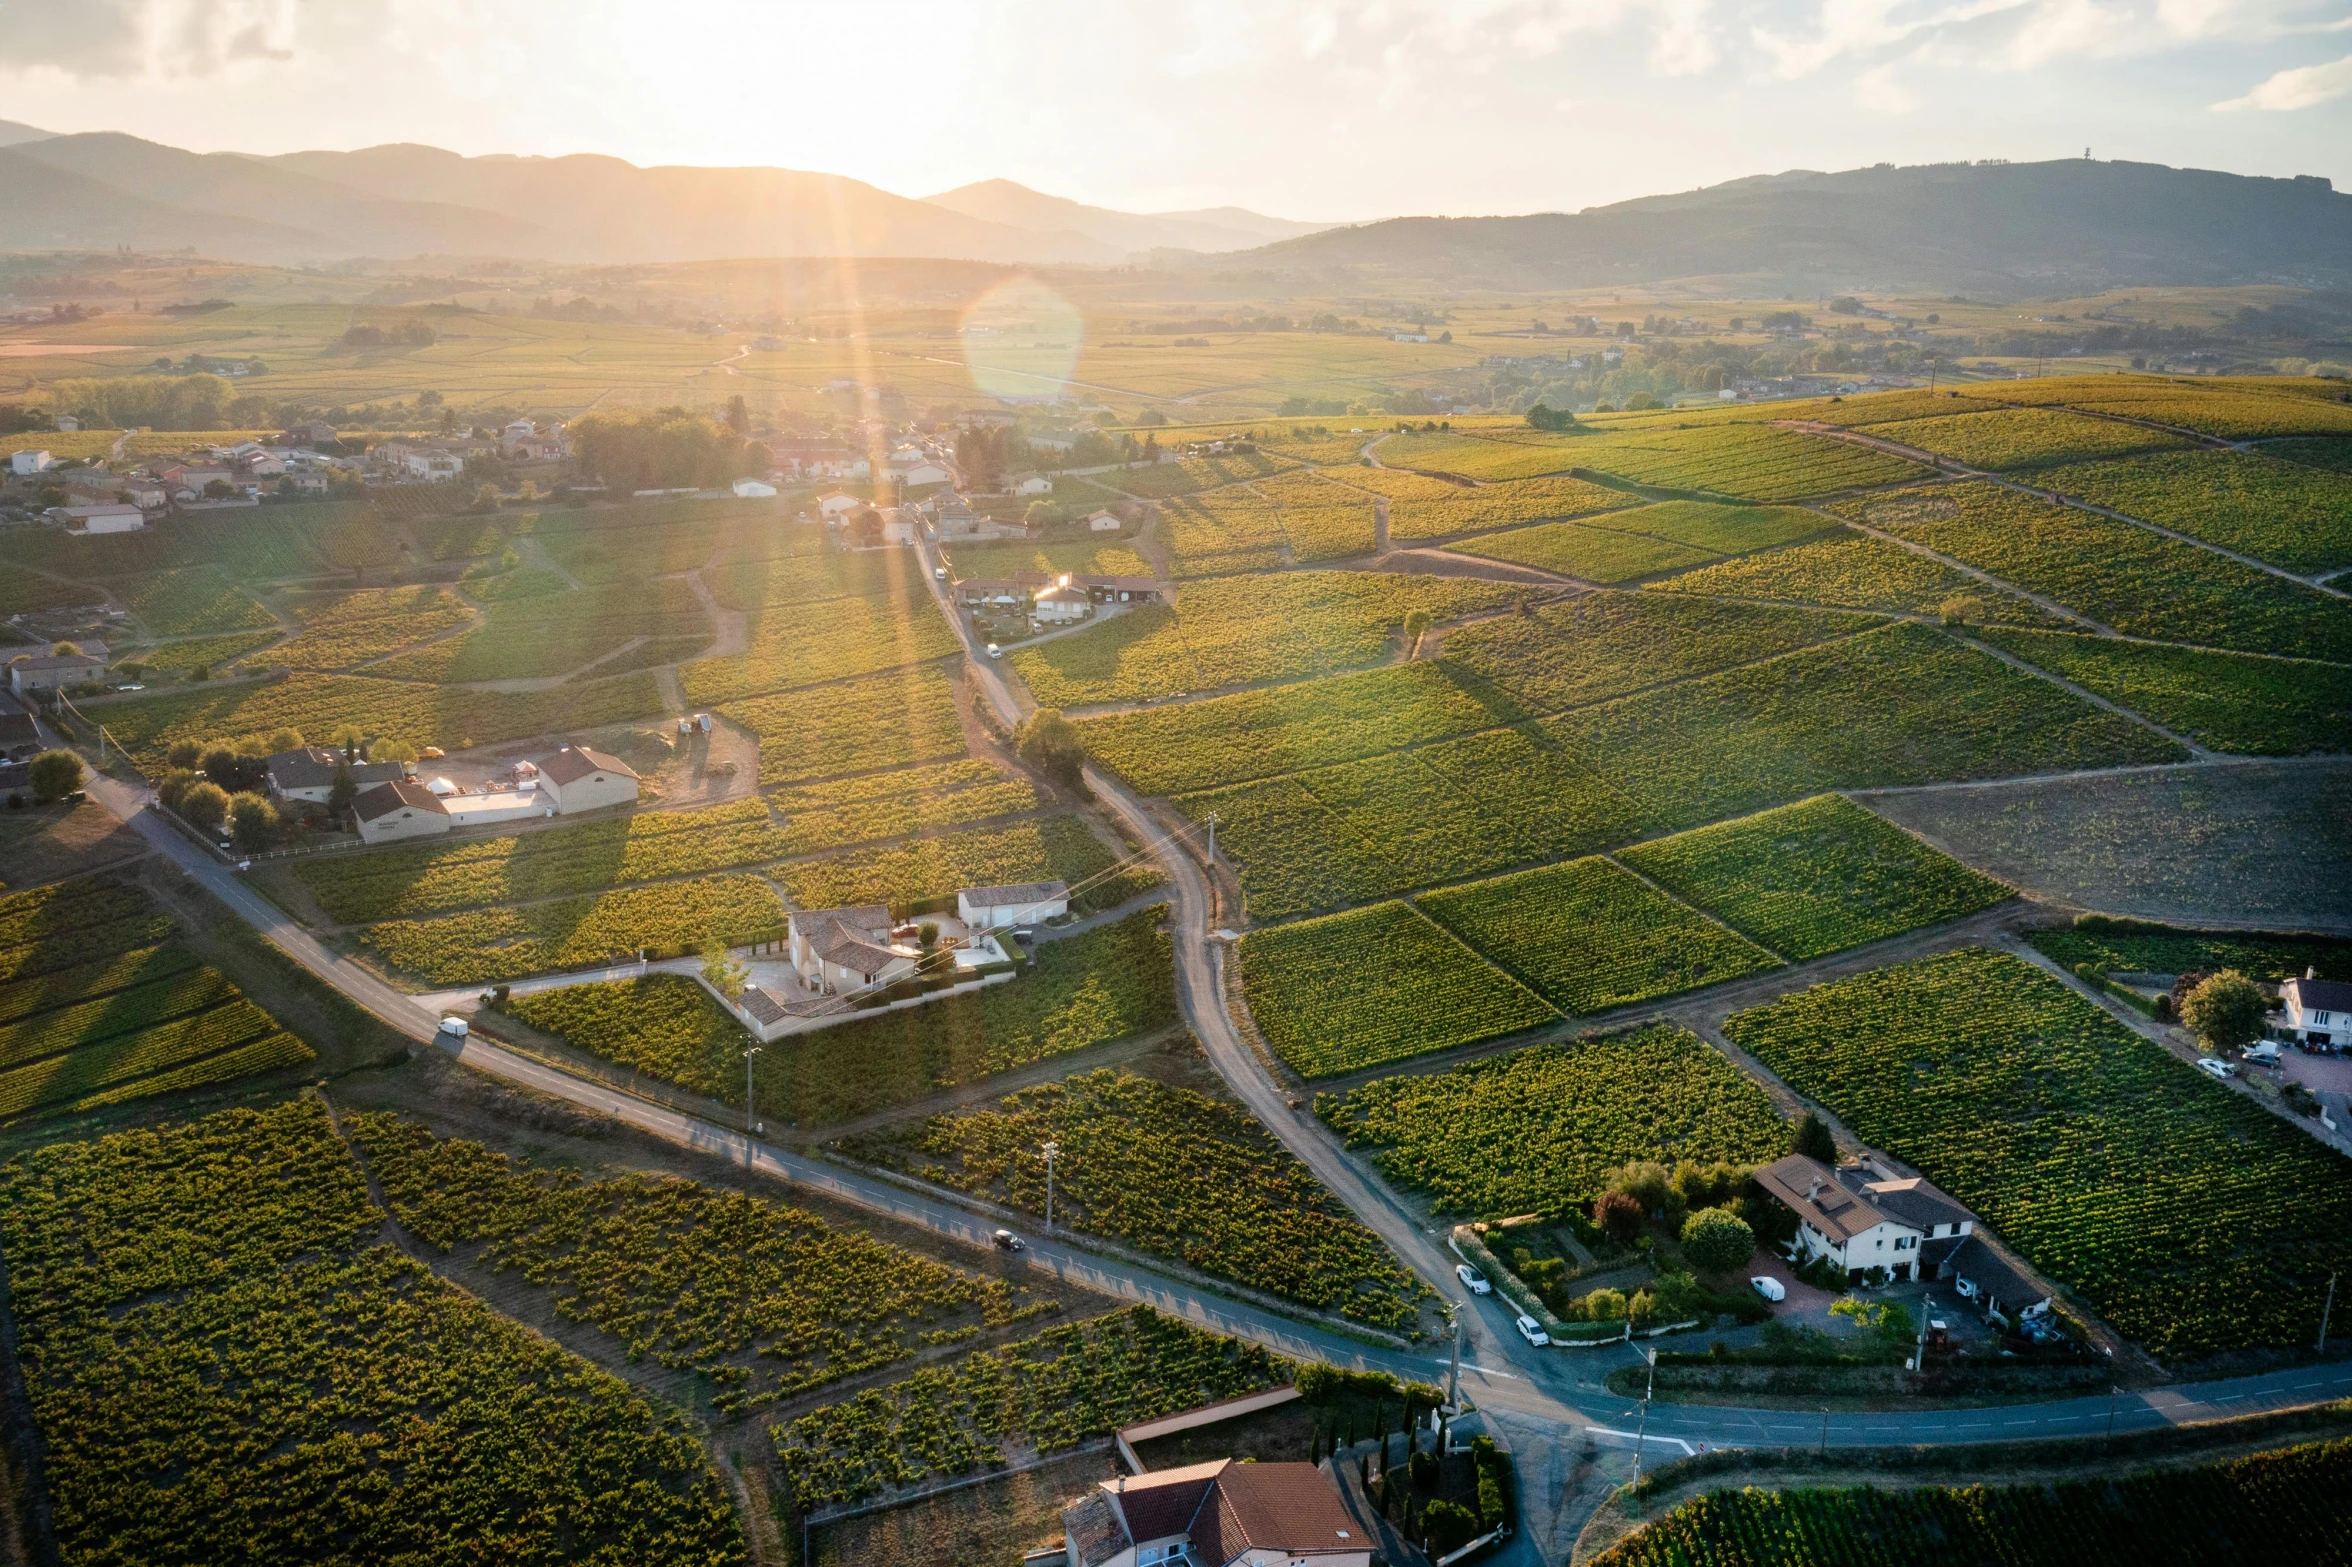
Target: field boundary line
1668 893
2194 748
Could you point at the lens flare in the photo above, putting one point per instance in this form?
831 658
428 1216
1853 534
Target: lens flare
1021 341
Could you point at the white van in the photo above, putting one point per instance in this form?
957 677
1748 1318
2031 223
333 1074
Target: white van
454 1027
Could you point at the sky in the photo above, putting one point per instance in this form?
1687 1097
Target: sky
1316 109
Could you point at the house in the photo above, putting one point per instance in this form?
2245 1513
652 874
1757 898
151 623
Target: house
1022 903
924 473
846 949
1868 1215
838 505
1103 522
434 464
1217 1514
1125 590
1062 604
309 774
110 517
579 779
67 424
21 463
754 489
952 517
1033 484
999 592
523 441
313 434
20 737
2318 1011
392 811
1408 337
53 672
145 493
898 525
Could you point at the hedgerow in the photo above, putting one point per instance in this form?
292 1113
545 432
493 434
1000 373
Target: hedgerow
2104 1160
1814 877
1375 985
2239 702
1539 1130
489 945
1169 1171
1045 1393
1588 935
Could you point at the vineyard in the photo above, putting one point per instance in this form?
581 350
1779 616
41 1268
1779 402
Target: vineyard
1375 985
201 652
886 805
435 878
539 635
1110 983
1168 1171
1047 1393
2134 947
792 647
206 1292
2125 577
889 720
2285 1506
808 579
1816 877
1471 457
1232 631
347 631
764 1300
1538 1130
665 921
2239 702
1574 549
2108 1163
72 924
1746 462
195 600
1186 475
1451 510
1850 571
2011 438
2292 516
1050 848
1587 935
1240 530
2240 411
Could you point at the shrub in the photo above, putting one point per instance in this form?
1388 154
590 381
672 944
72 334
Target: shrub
1813 1138
55 774
1717 1240
1448 1526
1619 1215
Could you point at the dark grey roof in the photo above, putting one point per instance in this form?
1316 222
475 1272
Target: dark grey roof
1914 1201
313 767
17 729
763 1007
2330 995
2002 1285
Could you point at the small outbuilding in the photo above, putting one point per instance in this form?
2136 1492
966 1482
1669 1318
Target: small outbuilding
578 779
392 811
1021 903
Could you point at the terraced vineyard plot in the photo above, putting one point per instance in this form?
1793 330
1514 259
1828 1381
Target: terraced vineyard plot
1587 935
1592 554
94 976
1109 983
2292 516
1110 557
349 630
543 635
1172 1172
21 590
1189 475
1398 484
1475 458
2108 1163
1815 877
890 720
1850 571
1233 631
792 647
2137 947
90 920
1047 1393
806 579
1241 530
431 878
318 704
2122 576
201 652
2235 417
1052 848
194 600
1539 1130
1717 528
2335 456
2290 1501
1376 985
668 920
2230 701
886 805
765 1300
2014 438
206 1290
1743 461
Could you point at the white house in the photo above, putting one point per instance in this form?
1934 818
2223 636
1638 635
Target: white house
111 517
53 671
21 463
1219 1514
923 473
837 506
1866 1215
898 525
392 811
837 950
2318 1011
1103 522
1023 903
495 805
576 778
1034 484
1062 604
309 774
754 489
67 424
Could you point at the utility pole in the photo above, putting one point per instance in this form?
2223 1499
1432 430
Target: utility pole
1212 820
1051 1148
2325 1310
1825 1431
747 1121
1642 1431
2111 1391
1454 1371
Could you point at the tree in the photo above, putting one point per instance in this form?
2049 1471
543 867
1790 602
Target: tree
1961 609
218 489
205 806
55 774
253 821
1416 627
1448 1526
1619 1215
1049 742
927 935
184 754
1813 1139
2225 1011
342 792
738 415
721 972
1039 516
220 765
1541 418
486 498
1717 1240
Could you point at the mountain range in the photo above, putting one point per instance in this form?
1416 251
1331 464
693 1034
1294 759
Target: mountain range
2070 224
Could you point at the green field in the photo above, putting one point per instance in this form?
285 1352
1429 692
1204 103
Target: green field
1539 1130
1816 877
926 872
487 945
1375 985
2108 1163
2290 515
2238 702
1588 935
2013 438
1850 571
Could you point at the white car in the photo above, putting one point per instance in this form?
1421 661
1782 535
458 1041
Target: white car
1473 1280
1769 1287
1532 1331
2215 1067
994 651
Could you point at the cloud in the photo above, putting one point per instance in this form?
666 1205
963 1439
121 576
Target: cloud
143 39
2298 88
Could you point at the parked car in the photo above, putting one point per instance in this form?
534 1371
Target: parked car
1967 1288
1769 1287
994 651
940 572
2215 1067
432 753
1473 1280
2266 1053
1006 1240
1532 1331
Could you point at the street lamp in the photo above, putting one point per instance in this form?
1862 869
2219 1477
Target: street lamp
1051 1148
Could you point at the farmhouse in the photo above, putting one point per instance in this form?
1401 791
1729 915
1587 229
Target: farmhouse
1062 604
1868 1215
753 489
1033 484
846 949
2317 1011
309 774
838 505
1218 1514
1023 903
53 672
576 778
1103 522
392 811
105 517
1125 590
30 462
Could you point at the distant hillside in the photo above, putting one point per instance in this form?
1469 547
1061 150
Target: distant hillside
2071 224
1213 231
14 132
